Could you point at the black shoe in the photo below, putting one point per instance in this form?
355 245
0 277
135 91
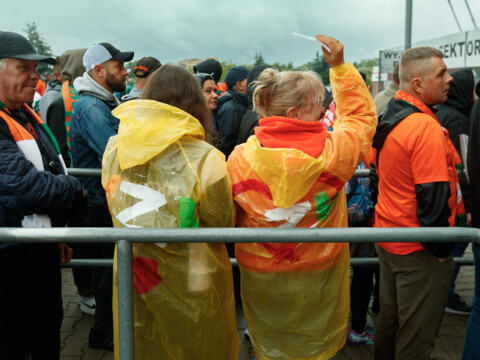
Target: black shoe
102 341
457 305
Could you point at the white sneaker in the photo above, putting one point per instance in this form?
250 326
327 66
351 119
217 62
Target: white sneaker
87 304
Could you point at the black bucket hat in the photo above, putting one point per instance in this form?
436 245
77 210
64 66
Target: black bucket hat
13 45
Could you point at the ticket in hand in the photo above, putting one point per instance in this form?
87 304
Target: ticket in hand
306 37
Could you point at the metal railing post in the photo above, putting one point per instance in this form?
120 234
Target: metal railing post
125 300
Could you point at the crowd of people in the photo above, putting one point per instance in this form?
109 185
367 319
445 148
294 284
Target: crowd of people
265 148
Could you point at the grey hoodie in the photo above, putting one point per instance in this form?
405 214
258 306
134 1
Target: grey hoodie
87 85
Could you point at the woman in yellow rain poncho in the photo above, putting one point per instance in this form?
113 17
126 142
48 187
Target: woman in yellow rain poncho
292 174
159 172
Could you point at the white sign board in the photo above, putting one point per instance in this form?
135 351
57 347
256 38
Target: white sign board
388 60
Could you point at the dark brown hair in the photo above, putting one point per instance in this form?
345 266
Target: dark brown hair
176 86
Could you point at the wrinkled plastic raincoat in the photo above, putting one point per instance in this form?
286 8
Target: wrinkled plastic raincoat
296 295
158 172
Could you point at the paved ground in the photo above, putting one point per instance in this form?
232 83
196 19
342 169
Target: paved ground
76 325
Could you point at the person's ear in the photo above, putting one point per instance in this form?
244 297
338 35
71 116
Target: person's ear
239 86
417 85
99 71
292 113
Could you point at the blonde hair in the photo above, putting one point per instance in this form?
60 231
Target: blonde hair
276 92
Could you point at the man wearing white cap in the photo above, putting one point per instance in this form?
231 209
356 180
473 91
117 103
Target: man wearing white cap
91 125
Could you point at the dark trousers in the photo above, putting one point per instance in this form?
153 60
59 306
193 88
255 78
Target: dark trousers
413 295
30 302
82 276
102 277
360 293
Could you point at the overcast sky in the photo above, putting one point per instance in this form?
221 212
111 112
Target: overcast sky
235 30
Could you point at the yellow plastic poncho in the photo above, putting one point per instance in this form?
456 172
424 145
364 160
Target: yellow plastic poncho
296 296
158 172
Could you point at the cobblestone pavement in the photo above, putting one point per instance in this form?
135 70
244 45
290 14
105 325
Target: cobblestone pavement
76 326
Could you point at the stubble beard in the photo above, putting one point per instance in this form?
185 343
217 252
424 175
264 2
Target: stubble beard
114 84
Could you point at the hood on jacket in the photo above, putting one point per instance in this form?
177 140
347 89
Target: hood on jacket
148 127
210 66
289 173
232 96
460 93
86 85
394 113
53 85
72 64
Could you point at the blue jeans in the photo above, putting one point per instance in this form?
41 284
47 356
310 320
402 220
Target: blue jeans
471 349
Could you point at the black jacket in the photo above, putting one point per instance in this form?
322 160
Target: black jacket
56 120
432 198
25 190
473 162
231 108
453 116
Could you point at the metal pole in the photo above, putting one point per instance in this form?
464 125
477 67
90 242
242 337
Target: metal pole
471 15
233 261
408 25
454 15
125 300
240 235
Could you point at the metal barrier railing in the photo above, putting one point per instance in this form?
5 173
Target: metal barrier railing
98 172
124 237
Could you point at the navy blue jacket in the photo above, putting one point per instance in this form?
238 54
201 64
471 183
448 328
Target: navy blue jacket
232 106
24 190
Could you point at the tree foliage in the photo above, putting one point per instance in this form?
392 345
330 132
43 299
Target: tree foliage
320 66
365 66
258 60
40 45
130 66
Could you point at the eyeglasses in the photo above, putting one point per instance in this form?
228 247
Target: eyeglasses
318 101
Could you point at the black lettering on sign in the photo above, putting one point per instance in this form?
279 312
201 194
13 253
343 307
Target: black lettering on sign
477 47
453 51
470 48
460 45
445 51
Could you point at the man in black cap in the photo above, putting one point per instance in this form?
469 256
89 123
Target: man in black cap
145 66
91 126
232 106
34 192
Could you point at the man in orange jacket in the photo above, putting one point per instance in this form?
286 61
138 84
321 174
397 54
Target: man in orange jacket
417 187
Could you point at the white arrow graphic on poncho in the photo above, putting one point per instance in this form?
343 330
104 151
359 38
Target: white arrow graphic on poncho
292 215
152 200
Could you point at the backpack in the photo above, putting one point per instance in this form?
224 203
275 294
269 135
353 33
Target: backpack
360 204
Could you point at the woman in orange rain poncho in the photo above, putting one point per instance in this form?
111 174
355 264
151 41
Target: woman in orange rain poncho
292 174
159 172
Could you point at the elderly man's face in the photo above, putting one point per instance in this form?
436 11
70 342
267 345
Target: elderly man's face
18 80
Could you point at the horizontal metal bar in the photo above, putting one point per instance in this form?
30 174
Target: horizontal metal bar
361 173
88 263
85 172
98 172
239 235
233 261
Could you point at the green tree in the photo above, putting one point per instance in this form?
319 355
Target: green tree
130 66
365 66
40 45
320 66
258 60
282 67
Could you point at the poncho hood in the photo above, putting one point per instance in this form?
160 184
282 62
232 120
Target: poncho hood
150 127
288 172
